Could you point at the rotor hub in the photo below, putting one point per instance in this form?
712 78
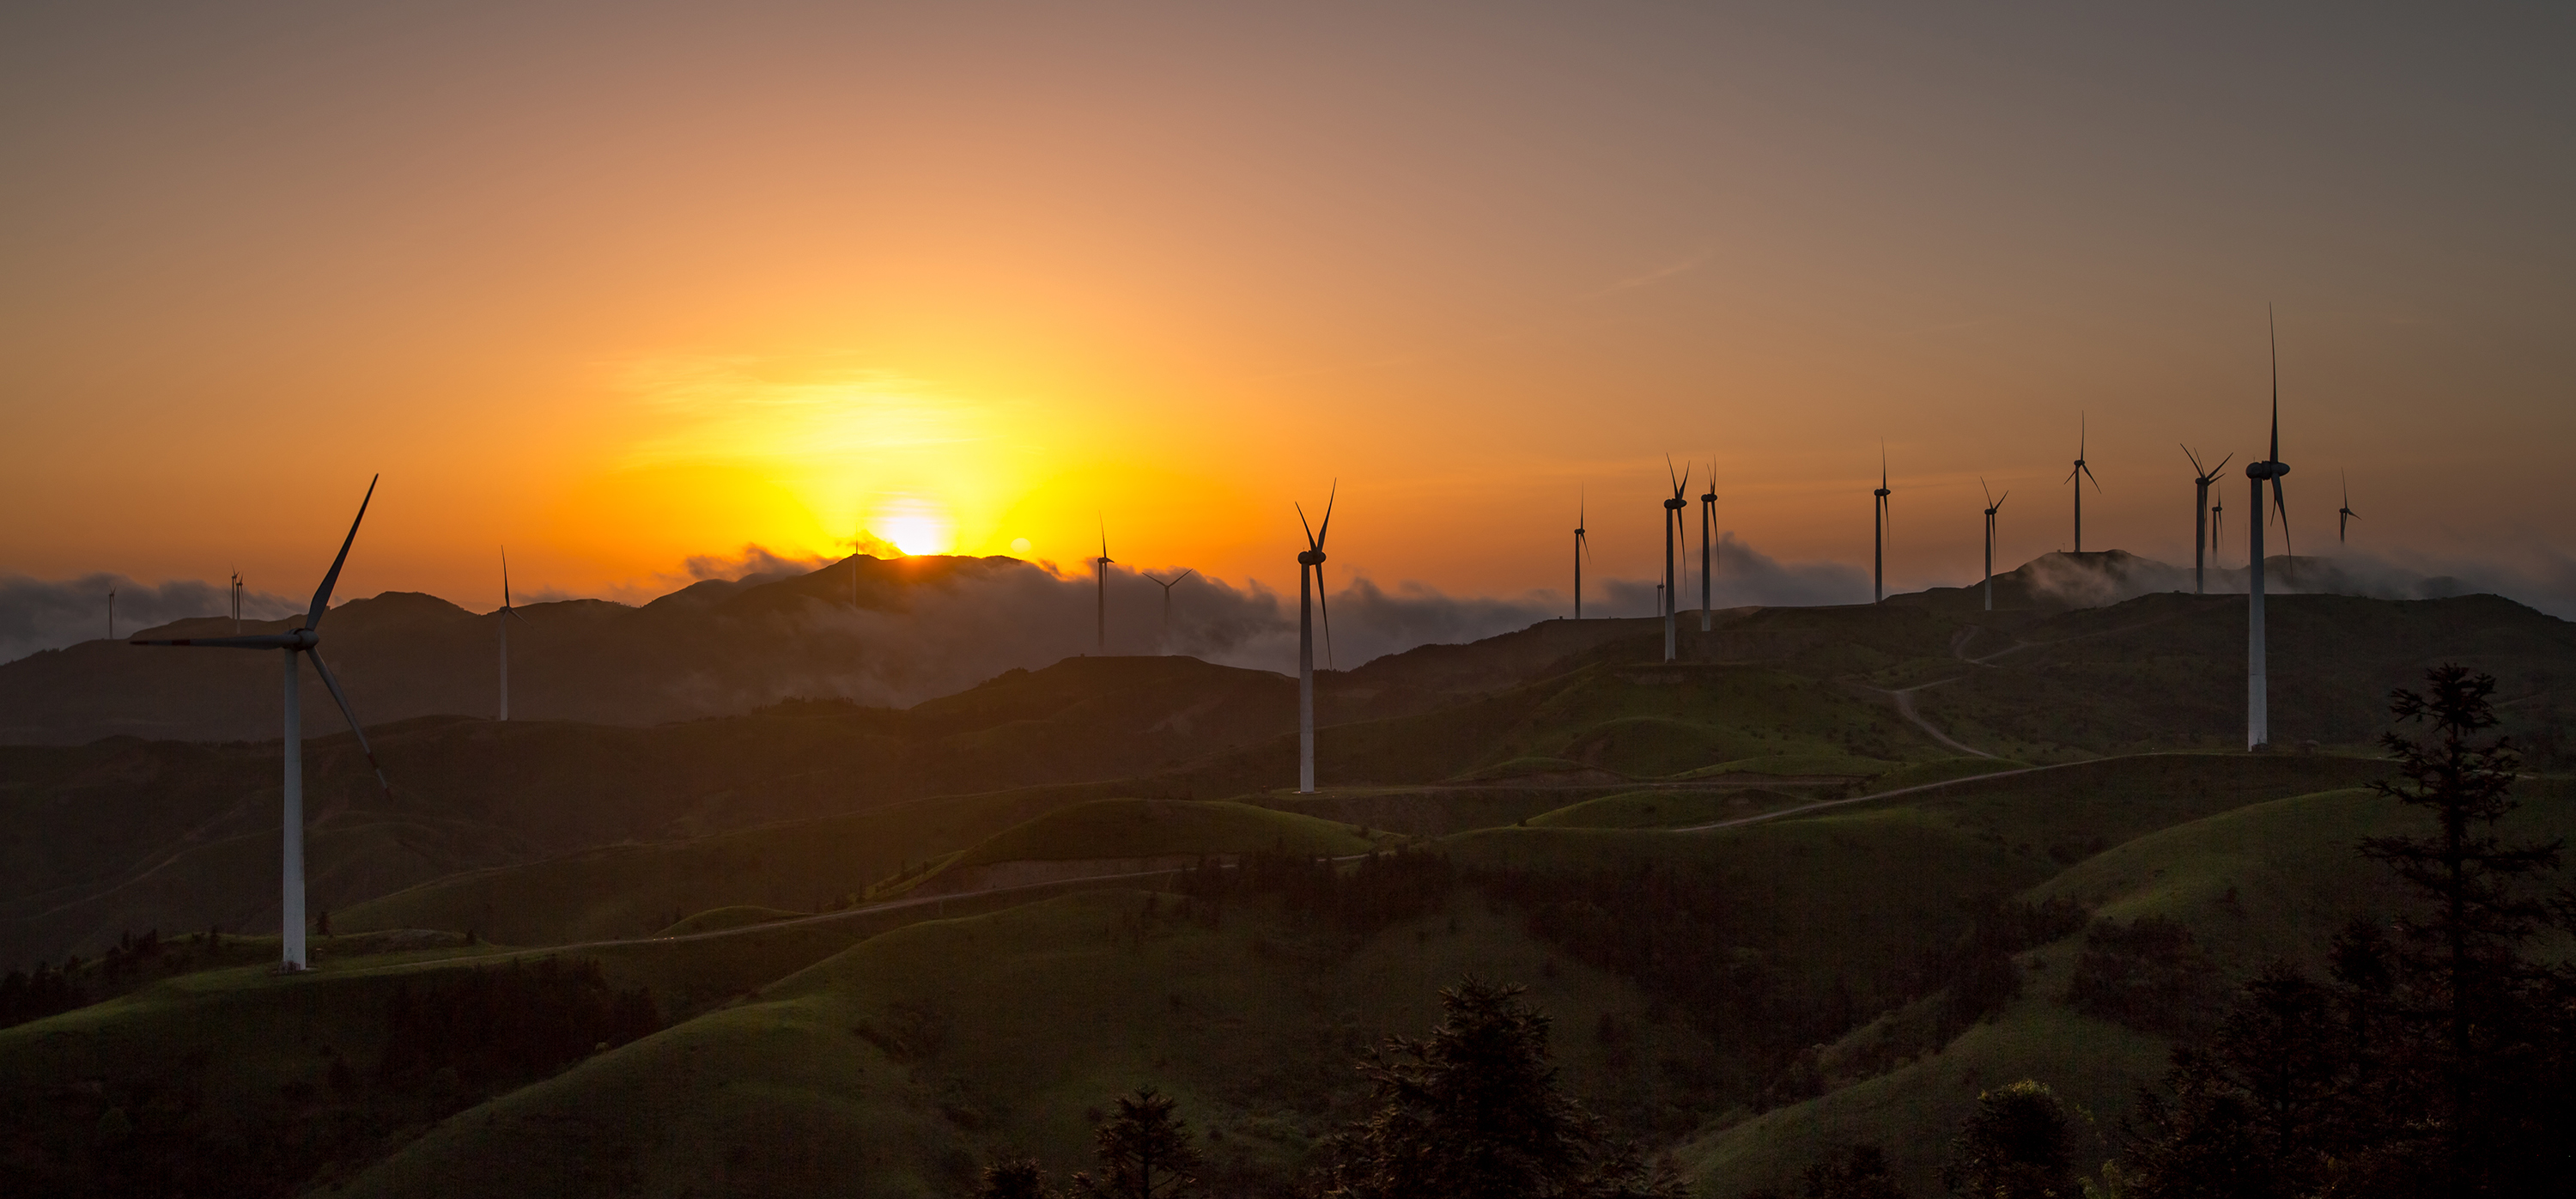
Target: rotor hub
1674 503
1311 558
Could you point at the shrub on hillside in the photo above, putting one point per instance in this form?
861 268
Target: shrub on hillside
1379 890
2150 975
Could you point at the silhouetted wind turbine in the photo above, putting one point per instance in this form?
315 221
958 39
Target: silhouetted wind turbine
1167 597
1707 544
2217 523
2258 720
1672 525
111 613
306 641
1582 550
1310 564
1100 568
2344 516
2204 536
507 614
1993 506
2087 473
1878 533
237 590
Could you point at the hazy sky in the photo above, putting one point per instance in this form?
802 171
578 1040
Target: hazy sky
618 284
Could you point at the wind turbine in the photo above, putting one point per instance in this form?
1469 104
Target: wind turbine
507 614
1993 506
2071 476
111 613
1707 547
1167 597
1672 524
2217 523
306 641
2344 516
1310 565
236 595
2204 531
1100 567
1878 533
1582 550
2258 721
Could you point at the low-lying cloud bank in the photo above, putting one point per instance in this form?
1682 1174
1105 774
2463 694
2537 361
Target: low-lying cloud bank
37 614
956 629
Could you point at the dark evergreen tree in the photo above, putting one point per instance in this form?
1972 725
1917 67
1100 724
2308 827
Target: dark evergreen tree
1145 1152
2018 1145
1019 1178
2468 998
1475 1110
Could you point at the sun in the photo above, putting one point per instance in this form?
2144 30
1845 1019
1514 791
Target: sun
915 527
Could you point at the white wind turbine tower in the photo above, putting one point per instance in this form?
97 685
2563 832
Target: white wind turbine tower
1310 565
1993 506
305 641
1167 597
507 614
2258 718
1672 524
2079 476
2204 532
1707 544
2344 516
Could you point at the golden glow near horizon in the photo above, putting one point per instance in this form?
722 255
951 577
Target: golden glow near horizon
795 278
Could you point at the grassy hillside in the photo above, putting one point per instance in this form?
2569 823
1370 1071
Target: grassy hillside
2253 882
1146 828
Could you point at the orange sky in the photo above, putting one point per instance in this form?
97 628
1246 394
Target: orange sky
618 285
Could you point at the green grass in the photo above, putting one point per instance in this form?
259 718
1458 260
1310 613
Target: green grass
636 890
1941 770
1664 809
716 919
1148 828
1826 763
905 1064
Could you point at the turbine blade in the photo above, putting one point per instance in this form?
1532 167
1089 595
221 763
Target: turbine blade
1324 605
2000 503
505 578
2271 323
1186 573
2097 483
352 713
260 641
322 594
1301 521
2196 467
1325 530
2283 507
1990 492
2222 464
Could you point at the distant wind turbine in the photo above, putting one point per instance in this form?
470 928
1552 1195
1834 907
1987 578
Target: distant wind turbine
2217 523
1582 550
1707 544
236 594
111 613
2072 476
506 615
1310 566
2204 531
306 641
1993 506
1100 567
1672 525
2258 721
2344 516
1167 598
1878 532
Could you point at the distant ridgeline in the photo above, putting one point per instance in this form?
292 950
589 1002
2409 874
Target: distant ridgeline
877 632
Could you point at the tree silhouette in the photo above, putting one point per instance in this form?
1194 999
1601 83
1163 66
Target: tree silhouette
1475 1110
1145 1152
1018 1178
2016 1146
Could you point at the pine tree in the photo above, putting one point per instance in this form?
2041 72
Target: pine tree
2465 984
1018 1178
1145 1152
1475 1110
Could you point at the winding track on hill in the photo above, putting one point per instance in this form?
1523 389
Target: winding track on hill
896 905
